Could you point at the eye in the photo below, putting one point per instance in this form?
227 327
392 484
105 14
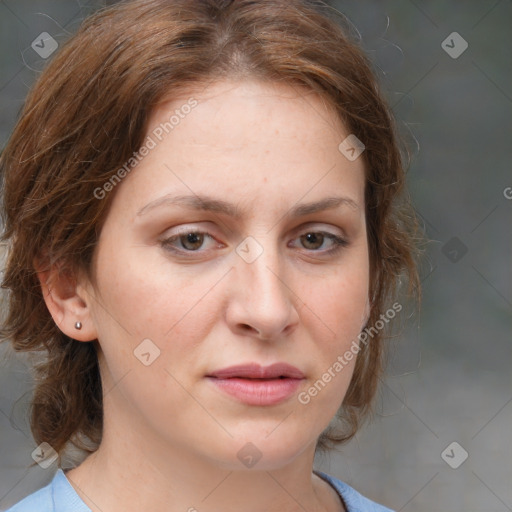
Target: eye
187 241
315 240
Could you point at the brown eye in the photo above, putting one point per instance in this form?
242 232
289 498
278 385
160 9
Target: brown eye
312 240
192 241
189 242
320 243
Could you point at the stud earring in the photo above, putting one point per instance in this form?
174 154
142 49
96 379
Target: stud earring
78 325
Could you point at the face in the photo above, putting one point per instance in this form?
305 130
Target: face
238 239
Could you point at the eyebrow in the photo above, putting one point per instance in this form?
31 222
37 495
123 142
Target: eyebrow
210 204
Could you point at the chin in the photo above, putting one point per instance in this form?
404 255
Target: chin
260 453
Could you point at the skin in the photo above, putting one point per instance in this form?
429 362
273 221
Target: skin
171 438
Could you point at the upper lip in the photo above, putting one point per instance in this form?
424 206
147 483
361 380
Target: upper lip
256 371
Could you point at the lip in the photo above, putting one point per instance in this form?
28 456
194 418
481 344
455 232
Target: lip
253 384
255 371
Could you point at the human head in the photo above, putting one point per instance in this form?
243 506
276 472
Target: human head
88 114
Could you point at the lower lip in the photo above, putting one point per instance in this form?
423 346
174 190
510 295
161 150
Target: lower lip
258 392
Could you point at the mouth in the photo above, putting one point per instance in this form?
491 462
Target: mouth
254 371
253 384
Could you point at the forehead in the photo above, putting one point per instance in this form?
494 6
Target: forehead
244 140
266 106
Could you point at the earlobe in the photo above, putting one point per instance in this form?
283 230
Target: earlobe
69 310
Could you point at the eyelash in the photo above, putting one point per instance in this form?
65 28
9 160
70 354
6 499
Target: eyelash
339 243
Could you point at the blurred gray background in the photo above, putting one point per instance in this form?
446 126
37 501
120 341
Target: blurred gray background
449 377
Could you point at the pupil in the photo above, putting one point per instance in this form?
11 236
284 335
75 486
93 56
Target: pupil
315 239
193 239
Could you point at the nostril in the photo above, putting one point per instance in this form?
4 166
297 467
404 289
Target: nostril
246 330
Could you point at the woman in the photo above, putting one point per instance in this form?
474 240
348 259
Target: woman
204 205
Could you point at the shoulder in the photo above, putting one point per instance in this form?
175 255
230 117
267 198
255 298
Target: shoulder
354 501
40 501
57 496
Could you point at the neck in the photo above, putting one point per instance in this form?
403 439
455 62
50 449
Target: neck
128 475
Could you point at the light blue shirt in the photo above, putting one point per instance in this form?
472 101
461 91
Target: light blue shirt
60 496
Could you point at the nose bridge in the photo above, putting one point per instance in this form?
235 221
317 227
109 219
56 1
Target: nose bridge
267 300
263 268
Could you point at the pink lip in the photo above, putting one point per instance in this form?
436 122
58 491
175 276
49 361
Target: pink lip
255 371
257 385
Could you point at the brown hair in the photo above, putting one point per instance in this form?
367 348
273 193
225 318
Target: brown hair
87 115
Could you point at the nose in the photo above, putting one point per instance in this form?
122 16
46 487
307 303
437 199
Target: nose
262 303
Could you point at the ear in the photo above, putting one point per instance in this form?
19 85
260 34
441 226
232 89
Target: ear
67 302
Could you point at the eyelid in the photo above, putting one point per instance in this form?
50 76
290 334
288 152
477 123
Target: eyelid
320 227
327 228
183 229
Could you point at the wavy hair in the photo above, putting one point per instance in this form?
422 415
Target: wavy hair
87 114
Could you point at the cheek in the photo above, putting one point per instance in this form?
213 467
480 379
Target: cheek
149 295
338 302
334 319
334 316
145 297
143 300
